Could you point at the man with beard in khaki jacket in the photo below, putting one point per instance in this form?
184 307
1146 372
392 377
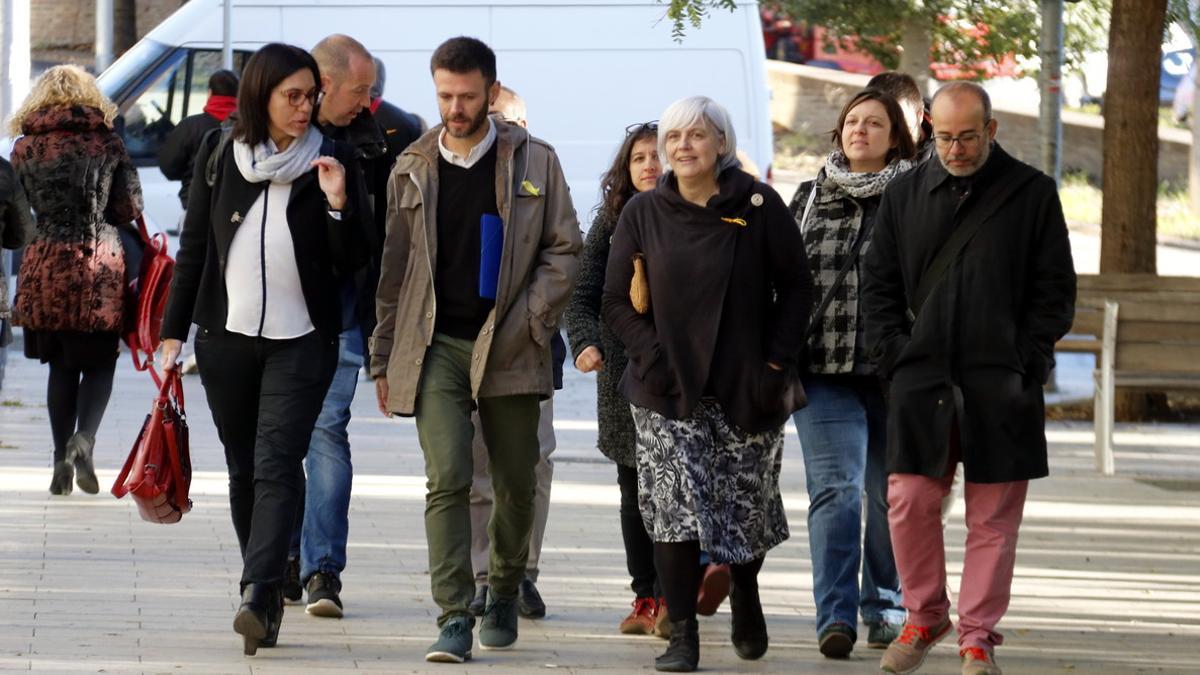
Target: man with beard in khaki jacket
479 261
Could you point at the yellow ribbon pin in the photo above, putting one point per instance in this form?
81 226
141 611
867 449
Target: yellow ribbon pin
530 188
735 221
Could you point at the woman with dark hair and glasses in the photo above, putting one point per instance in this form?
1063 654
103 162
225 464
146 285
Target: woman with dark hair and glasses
596 349
842 429
259 260
708 289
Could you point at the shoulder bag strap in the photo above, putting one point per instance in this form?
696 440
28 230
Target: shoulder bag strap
962 235
841 275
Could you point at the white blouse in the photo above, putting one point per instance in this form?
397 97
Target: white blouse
262 280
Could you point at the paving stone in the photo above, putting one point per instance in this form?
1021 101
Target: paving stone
1108 569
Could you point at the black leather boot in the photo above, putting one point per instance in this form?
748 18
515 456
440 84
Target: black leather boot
79 451
683 652
749 627
60 483
258 619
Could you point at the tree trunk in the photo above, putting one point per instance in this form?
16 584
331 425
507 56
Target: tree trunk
916 41
1128 222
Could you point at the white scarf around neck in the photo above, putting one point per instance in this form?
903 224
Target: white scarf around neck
264 162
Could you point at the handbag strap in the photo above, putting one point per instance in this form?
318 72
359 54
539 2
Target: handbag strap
119 489
842 273
182 486
990 202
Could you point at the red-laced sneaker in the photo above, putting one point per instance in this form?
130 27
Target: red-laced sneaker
662 621
907 652
641 620
978 661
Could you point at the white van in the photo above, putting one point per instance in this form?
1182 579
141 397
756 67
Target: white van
586 69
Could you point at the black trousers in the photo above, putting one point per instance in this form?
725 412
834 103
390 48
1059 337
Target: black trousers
265 396
639 549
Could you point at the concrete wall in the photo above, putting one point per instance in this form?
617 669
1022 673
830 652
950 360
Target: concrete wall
808 99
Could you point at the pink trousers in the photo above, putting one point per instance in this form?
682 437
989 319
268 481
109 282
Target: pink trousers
993 517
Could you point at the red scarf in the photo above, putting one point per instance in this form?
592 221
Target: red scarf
375 104
220 106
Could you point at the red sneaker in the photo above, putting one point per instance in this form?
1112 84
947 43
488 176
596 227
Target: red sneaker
662 622
714 588
641 620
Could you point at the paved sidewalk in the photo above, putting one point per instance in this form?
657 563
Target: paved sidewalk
1108 573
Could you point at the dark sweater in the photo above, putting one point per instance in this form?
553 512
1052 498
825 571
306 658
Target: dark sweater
464 196
725 299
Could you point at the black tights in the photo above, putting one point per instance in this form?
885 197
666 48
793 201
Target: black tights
679 576
639 549
76 399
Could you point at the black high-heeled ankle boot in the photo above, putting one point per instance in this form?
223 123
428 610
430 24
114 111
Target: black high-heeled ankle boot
749 627
61 482
683 652
258 619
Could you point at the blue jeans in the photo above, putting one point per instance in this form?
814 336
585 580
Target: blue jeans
321 540
842 434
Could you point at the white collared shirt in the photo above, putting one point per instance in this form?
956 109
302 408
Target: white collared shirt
475 154
262 280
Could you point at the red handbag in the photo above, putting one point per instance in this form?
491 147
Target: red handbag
147 299
158 472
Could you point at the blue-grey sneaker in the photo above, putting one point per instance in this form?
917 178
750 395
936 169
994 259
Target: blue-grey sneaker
499 628
454 642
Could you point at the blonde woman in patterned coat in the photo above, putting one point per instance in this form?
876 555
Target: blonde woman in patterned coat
70 292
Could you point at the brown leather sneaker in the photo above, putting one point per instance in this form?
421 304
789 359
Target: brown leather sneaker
907 652
978 661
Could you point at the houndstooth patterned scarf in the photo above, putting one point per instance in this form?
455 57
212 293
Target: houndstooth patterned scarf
833 223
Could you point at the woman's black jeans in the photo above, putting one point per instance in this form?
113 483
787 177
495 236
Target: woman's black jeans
265 396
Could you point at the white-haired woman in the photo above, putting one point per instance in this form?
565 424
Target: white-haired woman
712 365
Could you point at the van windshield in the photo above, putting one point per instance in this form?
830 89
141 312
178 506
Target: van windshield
131 67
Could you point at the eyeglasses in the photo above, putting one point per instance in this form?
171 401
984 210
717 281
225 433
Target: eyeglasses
967 140
297 97
651 126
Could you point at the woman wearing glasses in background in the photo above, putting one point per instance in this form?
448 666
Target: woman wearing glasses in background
259 258
596 349
842 429
708 289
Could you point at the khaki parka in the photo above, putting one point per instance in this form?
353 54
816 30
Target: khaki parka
538 265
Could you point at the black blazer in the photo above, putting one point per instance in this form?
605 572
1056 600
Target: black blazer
327 249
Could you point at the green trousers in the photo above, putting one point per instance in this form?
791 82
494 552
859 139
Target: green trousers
510 425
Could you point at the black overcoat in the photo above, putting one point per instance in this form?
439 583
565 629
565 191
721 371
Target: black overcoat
982 345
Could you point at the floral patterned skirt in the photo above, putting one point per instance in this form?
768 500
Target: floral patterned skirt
704 479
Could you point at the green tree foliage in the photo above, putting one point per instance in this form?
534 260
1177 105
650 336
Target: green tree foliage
950 27
692 12
1011 27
